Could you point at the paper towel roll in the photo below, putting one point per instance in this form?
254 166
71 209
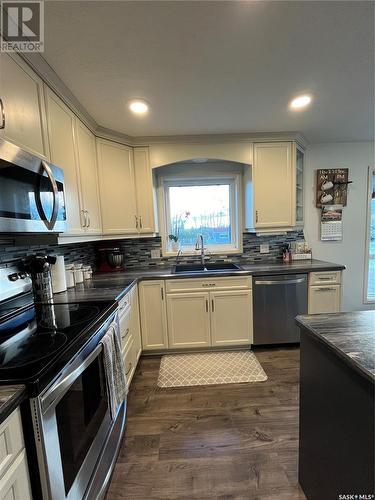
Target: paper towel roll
58 275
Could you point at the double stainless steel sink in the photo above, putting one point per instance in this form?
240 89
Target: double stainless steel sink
203 268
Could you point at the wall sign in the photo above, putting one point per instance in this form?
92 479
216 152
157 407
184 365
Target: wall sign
332 186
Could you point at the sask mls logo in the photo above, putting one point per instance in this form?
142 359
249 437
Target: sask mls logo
22 26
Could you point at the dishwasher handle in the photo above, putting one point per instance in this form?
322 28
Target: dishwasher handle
280 282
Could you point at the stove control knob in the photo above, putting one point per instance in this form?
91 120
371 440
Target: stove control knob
13 277
22 275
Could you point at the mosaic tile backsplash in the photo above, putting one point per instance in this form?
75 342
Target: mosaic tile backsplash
137 252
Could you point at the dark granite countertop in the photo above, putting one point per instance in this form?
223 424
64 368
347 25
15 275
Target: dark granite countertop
350 335
113 286
11 396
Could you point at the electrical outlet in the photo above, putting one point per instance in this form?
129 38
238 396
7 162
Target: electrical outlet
155 253
264 248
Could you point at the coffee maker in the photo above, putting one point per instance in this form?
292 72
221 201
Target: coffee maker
111 259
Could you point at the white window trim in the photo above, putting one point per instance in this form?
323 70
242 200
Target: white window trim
236 213
371 172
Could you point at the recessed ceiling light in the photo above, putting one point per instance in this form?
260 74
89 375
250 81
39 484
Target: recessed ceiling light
300 101
138 106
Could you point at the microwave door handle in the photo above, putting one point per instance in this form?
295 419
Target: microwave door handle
55 208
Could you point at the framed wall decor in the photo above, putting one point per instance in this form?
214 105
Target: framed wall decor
332 186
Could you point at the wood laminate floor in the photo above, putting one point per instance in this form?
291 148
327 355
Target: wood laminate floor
234 441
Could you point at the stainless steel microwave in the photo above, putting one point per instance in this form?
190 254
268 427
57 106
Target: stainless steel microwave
31 193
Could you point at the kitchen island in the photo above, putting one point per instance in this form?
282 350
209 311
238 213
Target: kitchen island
337 374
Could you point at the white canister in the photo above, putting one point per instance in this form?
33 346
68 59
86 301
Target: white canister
58 275
69 276
87 272
78 273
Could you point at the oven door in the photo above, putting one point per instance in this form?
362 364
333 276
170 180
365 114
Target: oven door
31 192
75 420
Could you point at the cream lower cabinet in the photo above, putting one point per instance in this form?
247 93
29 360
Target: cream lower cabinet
130 332
153 315
231 317
135 326
324 292
189 319
14 475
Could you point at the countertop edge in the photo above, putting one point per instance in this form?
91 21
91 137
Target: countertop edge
347 359
13 401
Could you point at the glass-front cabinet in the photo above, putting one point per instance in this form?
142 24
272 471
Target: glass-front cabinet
299 185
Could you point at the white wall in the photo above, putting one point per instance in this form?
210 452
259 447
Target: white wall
351 251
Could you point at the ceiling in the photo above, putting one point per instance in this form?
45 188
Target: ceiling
217 66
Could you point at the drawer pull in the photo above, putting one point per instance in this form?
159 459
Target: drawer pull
126 332
213 305
207 305
130 367
326 289
123 306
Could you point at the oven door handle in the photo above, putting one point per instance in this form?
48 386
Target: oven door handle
57 391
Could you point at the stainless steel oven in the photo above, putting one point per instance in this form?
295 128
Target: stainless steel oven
72 424
31 193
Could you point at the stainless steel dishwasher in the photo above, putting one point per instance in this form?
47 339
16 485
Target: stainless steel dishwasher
277 301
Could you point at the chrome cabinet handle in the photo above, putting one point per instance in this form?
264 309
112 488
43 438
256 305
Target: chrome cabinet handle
162 293
207 305
256 216
136 222
130 367
213 305
2 114
326 289
55 207
140 221
88 218
84 224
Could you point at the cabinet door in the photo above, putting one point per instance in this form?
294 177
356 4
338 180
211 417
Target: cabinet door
144 190
231 317
153 315
23 105
15 484
188 319
116 186
63 153
135 326
324 299
88 170
274 185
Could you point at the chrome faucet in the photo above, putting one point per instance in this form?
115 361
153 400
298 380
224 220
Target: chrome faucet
199 245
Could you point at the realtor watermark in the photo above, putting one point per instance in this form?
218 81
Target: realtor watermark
22 26
356 496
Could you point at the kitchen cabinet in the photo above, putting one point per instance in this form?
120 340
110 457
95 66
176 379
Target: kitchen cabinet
144 191
274 187
116 184
14 475
23 107
63 153
135 326
231 317
188 319
209 312
324 292
130 332
88 174
153 315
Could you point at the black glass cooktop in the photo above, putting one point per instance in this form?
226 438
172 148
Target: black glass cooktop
39 335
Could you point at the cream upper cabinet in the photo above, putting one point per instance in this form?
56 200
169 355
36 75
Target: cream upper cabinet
21 93
189 319
153 315
231 317
144 190
273 185
88 171
61 124
116 186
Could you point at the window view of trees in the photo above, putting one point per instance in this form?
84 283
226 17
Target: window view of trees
197 210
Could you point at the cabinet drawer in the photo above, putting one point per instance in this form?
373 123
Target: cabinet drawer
129 360
11 440
124 304
325 277
324 299
198 284
124 322
15 484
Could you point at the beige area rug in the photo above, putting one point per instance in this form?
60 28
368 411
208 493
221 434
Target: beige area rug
179 370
